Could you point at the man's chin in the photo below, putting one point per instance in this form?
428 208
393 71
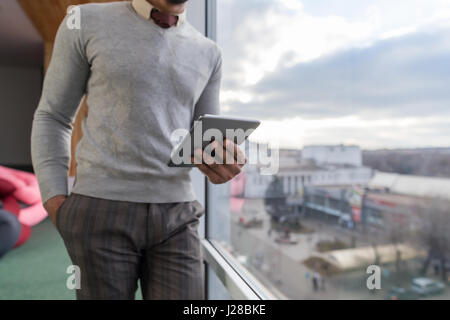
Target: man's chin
178 9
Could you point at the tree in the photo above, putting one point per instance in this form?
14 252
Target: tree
434 232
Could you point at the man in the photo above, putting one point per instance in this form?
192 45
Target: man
145 72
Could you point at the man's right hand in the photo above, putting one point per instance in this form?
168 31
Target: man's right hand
52 205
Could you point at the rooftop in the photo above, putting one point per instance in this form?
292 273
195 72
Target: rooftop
418 186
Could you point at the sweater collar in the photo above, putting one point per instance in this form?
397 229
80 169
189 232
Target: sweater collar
144 8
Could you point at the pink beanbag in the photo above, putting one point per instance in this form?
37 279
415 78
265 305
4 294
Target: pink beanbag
19 192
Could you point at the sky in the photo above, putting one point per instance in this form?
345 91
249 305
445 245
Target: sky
375 73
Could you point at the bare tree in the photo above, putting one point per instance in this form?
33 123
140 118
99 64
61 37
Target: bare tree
433 227
398 232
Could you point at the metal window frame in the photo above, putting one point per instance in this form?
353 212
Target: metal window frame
239 282
232 281
211 19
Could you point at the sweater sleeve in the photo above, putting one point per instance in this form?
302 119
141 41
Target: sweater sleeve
64 86
209 101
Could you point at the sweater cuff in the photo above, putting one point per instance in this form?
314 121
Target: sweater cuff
52 182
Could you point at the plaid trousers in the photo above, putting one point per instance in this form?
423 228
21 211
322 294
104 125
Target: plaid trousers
116 244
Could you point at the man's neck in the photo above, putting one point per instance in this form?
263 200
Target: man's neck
144 8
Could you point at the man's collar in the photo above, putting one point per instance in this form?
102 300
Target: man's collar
144 8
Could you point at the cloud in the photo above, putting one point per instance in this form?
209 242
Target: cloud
295 132
260 36
283 34
370 75
409 74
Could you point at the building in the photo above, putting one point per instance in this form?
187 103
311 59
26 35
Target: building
418 186
311 167
337 155
394 199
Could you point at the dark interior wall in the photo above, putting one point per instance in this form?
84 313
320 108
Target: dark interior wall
21 63
20 89
20 42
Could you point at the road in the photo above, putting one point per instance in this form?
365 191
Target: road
280 265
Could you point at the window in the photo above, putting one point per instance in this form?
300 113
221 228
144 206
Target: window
288 185
350 80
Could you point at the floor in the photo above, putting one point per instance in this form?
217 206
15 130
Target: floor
36 270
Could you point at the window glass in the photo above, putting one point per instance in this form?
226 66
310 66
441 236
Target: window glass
355 108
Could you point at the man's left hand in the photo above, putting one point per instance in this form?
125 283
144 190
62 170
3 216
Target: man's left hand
226 164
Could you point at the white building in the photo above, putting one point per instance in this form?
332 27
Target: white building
340 155
418 186
318 166
295 178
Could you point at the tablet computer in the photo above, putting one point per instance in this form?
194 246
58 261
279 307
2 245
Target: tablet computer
232 128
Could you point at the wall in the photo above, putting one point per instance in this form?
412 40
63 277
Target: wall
20 89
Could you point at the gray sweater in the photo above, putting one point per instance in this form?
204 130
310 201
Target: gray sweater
142 82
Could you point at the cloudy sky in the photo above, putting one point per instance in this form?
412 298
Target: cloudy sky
375 73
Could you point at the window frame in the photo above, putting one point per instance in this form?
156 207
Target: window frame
237 280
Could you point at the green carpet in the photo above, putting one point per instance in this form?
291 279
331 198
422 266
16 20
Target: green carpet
36 270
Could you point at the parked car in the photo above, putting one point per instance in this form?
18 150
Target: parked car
427 287
397 293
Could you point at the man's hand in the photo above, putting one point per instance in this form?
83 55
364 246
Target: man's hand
52 205
226 164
